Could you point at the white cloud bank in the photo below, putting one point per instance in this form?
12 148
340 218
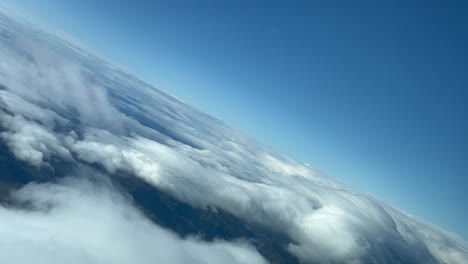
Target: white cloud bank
57 103
82 221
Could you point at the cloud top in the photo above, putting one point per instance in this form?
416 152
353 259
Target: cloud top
82 221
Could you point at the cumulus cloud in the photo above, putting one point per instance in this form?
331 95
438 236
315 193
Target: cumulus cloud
30 141
38 74
58 103
83 221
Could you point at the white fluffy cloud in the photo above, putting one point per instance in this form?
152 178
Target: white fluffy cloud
59 103
30 141
82 221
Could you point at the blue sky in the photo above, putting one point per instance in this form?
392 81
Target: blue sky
374 94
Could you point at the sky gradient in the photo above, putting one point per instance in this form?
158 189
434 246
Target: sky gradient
374 95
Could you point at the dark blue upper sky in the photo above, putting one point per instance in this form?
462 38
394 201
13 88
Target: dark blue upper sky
374 93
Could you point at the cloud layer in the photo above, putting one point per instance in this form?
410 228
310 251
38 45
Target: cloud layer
87 221
59 102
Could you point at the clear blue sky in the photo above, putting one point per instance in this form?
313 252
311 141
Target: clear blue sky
374 93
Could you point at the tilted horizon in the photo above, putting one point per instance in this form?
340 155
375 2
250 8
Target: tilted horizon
92 156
